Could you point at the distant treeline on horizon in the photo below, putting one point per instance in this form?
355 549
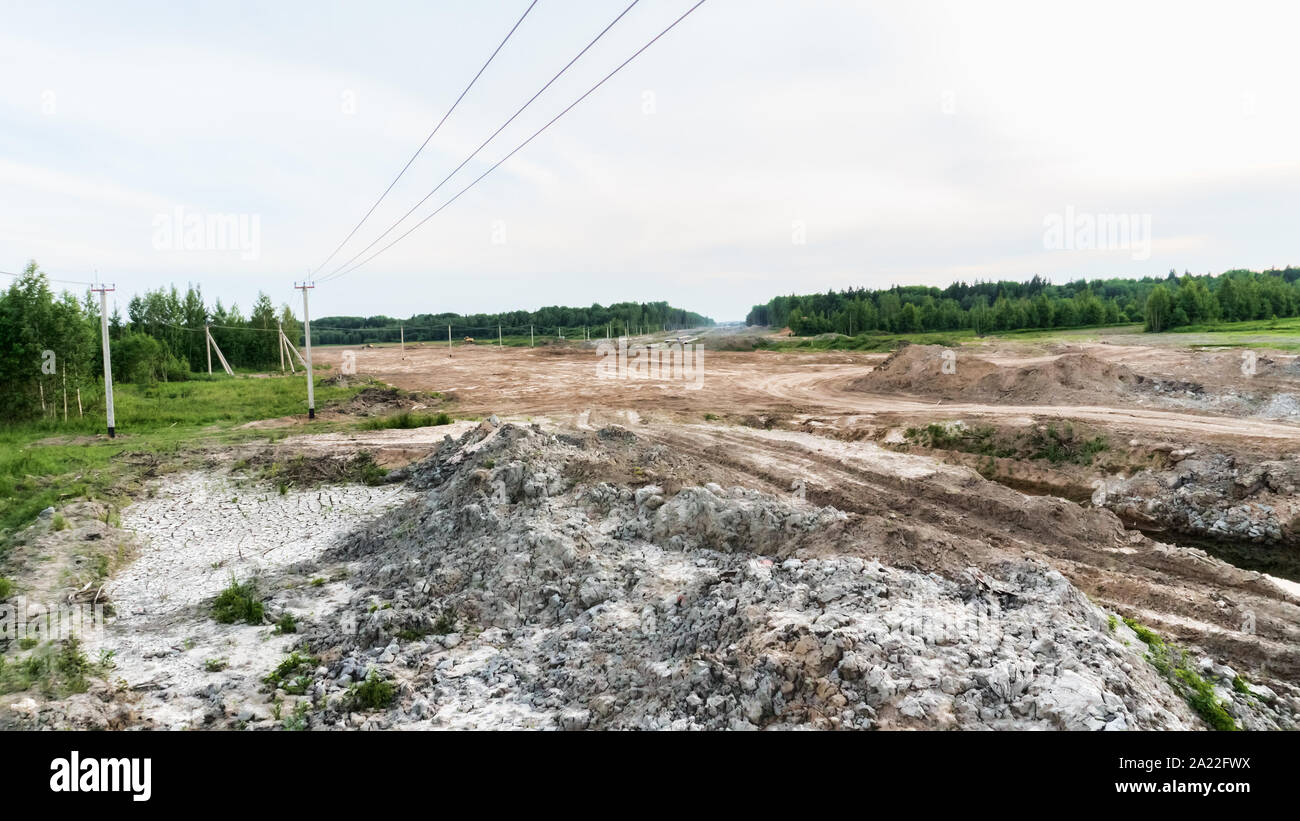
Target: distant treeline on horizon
620 318
1159 303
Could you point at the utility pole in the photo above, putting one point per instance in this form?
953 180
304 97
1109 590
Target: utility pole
449 342
108 357
306 331
207 344
402 329
499 343
279 326
530 336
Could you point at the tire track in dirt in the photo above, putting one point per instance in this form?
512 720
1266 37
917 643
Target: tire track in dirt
942 519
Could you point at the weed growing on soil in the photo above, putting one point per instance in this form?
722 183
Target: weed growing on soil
6 588
407 420
446 622
48 462
57 669
1045 444
1171 662
372 694
215 665
301 471
298 721
293 675
286 624
238 602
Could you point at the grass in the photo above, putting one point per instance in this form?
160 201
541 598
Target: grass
1283 334
238 602
293 675
300 471
6 588
47 462
406 420
57 669
372 694
286 624
1172 663
1050 444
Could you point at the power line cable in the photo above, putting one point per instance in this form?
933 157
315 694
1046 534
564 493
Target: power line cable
428 138
52 279
336 272
521 145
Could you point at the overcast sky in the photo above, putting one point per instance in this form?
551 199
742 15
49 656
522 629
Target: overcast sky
759 148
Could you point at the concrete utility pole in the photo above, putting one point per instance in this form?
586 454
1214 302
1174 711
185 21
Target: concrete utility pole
402 329
306 331
207 344
530 336
108 358
448 341
499 343
279 326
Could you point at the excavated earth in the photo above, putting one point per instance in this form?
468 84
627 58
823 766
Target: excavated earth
611 558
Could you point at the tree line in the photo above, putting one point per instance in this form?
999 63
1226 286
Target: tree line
985 307
620 318
51 341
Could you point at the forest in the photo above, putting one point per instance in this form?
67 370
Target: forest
620 318
50 343
989 307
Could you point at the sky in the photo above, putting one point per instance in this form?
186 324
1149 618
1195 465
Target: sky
758 148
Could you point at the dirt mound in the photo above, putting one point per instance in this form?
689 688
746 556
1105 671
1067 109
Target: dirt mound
948 373
533 585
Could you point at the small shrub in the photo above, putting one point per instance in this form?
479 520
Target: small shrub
238 602
298 721
293 675
287 624
6 588
59 522
215 665
372 694
407 420
446 622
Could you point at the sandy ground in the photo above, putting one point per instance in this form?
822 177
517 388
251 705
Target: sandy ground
786 424
563 384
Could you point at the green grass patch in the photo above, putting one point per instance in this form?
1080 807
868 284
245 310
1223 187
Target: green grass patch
406 420
239 602
293 675
1172 663
56 669
286 624
1050 444
372 694
48 462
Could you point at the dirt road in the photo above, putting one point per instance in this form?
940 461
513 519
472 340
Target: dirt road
563 383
